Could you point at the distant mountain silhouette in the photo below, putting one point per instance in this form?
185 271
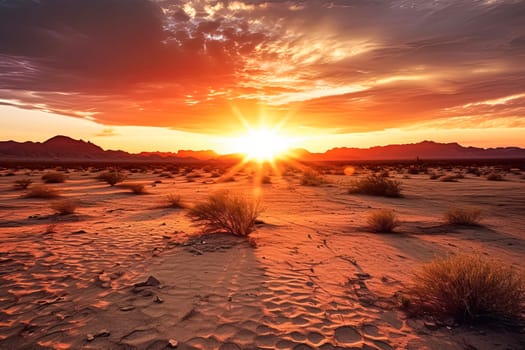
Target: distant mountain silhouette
67 149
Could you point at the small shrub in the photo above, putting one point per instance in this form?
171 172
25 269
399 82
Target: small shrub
312 178
495 177
41 191
374 185
266 180
383 220
435 176
22 184
468 288
174 201
226 212
65 206
448 178
135 188
463 216
112 177
53 177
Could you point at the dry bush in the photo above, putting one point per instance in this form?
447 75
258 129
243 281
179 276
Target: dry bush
135 188
383 221
435 176
312 178
65 206
22 184
174 201
468 288
448 178
266 180
463 216
226 212
495 177
53 177
41 191
374 185
111 177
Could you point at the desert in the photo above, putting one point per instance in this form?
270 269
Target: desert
133 271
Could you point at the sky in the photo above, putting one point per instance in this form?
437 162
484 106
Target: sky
165 75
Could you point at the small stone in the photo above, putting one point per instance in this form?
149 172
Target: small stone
158 300
173 343
309 283
431 325
363 275
146 293
127 308
150 282
90 337
103 333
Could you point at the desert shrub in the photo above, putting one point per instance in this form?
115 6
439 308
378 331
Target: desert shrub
22 184
227 212
64 206
227 179
312 178
383 220
174 201
374 185
435 176
468 288
53 177
41 191
136 188
463 216
495 177
266 179
112 177
448 178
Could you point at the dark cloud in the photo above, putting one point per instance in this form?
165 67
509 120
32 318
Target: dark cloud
355 64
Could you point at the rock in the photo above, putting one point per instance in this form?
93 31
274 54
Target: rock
90 337
431 325
196 251
146 293
127 308
150 282
158 300
103 333
309 283
173 343
78 232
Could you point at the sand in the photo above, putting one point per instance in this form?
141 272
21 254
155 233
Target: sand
312 276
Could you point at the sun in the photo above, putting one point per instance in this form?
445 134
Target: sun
263 144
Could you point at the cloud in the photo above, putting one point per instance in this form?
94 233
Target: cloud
352 65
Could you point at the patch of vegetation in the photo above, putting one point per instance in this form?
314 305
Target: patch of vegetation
53 177
41 191
65 206
174 201
469 288
374 185
495 177
463 216
226 212
135 188
22 184
382 221
112 177
312 178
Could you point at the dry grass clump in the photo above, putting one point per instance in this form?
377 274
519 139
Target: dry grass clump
22 184
65 206
135 188
469 288
495 177
383 221
112 177
41 191
53 177
226 212
174 201
374 185
312 178
463 216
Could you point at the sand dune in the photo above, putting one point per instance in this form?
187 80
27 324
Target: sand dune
316 278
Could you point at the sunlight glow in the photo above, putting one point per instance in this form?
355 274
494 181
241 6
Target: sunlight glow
262 144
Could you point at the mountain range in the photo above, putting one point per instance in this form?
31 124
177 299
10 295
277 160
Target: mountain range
63 148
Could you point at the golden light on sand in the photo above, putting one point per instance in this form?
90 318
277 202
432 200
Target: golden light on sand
263 144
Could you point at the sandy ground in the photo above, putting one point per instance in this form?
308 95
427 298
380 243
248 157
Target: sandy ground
316 278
